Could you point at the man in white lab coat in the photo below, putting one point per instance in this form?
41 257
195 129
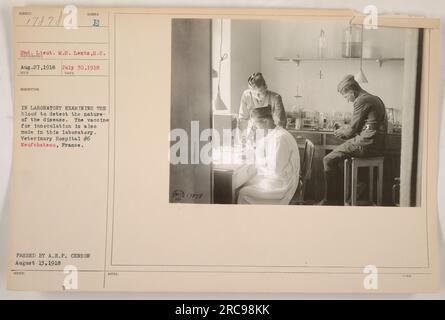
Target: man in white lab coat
277 161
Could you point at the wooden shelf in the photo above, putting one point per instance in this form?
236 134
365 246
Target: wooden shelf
297 60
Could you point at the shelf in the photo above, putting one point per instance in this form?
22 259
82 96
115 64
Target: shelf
297 60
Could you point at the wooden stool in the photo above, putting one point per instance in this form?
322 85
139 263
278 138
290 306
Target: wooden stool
350 176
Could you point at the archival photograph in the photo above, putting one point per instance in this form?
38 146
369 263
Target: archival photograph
287 112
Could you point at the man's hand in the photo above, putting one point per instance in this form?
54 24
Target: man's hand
338 133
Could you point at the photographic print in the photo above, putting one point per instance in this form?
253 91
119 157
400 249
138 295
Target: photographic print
294 112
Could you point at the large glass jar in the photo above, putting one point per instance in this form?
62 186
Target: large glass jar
352 39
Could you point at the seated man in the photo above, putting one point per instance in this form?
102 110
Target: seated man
277 160
365 136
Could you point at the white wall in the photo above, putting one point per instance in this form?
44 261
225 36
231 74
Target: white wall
242 42
253 45
245 56
226 64
285 38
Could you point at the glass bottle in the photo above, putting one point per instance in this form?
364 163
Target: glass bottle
352 38
322 45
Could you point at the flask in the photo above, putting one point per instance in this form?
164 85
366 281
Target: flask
352 38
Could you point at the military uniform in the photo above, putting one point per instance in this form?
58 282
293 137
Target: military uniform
365 134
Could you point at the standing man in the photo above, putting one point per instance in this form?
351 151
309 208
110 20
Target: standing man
257 96
277 161
365 135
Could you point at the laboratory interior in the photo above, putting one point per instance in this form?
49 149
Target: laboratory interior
302 63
